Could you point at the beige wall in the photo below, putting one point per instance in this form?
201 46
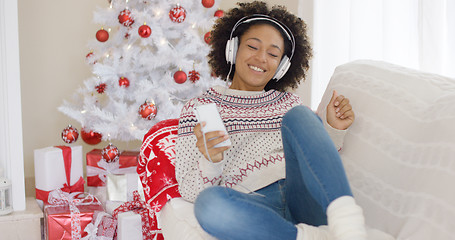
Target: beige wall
52 37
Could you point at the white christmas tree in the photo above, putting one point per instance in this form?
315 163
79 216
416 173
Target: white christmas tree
148 58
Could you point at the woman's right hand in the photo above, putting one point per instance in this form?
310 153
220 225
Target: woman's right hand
213 138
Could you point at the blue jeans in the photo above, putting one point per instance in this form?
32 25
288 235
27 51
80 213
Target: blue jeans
314 177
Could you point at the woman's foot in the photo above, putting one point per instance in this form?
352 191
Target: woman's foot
307 232
345 219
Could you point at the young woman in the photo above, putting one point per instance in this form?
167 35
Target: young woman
282 175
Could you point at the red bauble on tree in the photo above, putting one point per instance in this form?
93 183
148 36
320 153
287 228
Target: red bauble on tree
180 77
177 14
219 13
208 3
100 88
110 153
91 137
125 18
102 35
144 31
208 37
124 82
70 134
148 110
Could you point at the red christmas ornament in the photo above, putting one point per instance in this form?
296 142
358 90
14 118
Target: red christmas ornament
91 137
70 134
177 14
123 81
180 77
194 76
219 13
208 3
148 110
110 153
102 35
144 31
101 87
89 57
125 18
208 37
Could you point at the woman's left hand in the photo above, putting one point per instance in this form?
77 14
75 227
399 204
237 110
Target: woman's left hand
339 112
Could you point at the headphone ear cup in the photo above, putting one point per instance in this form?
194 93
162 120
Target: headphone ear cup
282 68
228 51
231 50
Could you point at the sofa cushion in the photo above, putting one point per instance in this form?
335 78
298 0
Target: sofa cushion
156 167
399 154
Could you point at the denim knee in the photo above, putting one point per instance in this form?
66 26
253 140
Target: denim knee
299 113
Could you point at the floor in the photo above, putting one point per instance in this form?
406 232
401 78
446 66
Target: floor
23 225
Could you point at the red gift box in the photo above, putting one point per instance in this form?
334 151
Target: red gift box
67 215
97 169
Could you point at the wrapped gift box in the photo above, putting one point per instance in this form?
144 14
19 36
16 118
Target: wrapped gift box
63 219
56 168
121 187
107 227
129 226
134 218
97 168
114 181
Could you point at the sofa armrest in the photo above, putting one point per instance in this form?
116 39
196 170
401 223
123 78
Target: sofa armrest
399 154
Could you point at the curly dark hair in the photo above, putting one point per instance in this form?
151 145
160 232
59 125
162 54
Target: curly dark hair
222 30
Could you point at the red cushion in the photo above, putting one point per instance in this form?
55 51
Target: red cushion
156 165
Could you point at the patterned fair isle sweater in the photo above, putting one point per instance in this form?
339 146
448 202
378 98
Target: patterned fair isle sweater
256 158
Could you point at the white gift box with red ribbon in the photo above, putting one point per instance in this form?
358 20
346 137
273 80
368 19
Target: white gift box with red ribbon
58 167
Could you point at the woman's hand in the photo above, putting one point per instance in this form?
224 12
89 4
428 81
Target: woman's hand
339 112
213 138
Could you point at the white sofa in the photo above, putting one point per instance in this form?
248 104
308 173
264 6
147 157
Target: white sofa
399 154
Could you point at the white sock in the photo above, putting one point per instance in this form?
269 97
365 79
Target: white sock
345 219
307 232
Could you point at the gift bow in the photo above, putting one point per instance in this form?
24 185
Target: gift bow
77 187
105 168
58 197
136 205
92 228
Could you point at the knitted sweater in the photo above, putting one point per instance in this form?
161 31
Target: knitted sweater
256 158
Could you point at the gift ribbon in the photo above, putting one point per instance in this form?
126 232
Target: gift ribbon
66 152
136 205
58 197
104 168
67 187
92 228
77 187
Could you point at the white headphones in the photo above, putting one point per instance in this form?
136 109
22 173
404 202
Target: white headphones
233 43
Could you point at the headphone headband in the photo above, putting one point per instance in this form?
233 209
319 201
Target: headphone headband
258 17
